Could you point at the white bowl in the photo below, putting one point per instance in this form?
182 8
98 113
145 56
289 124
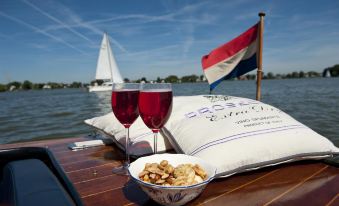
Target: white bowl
171 195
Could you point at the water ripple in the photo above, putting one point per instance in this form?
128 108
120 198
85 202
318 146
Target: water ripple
60 113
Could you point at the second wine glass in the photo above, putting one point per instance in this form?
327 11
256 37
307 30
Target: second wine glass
125 108
155 106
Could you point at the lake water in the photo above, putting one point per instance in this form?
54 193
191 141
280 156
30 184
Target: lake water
27 115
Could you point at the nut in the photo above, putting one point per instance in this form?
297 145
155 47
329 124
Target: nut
143 173
164 163
165 174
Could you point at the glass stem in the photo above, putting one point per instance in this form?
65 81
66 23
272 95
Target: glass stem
155 142
127 148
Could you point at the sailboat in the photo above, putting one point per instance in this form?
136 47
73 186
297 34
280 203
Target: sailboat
107 68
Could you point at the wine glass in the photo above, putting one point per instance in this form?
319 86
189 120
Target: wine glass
155 106
125 108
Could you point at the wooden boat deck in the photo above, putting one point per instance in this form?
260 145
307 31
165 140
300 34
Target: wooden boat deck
302 183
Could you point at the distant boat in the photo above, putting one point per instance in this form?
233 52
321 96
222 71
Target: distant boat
107 68
46 86
12 88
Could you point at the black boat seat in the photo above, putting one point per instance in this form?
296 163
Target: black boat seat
32 176
30 182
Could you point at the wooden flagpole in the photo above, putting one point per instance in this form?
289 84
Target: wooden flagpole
259 58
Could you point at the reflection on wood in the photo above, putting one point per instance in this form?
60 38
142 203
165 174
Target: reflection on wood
90 170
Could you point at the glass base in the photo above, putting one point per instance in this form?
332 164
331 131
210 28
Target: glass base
121 170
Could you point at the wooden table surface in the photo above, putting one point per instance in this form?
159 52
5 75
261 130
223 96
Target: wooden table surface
90 170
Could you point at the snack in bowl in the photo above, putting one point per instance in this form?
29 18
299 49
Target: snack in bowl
167 175
172 179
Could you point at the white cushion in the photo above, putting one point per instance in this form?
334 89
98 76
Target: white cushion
239 134
141 136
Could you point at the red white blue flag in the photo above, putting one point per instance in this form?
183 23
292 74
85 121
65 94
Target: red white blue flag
233 59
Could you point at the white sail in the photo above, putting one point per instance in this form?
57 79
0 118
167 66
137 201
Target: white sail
107 67
327 73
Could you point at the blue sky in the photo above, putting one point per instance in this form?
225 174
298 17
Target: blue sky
58 40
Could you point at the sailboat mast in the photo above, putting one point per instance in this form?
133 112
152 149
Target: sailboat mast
108 54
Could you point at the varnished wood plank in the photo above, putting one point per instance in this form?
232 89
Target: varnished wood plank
64 146
89 163
130 193
82 159
90 170
293 187
334 201
92 173
266 188
237 186
43 143
74 156
224 185
103 184
232 196
318 190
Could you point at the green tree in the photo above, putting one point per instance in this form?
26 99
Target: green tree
172 79
295 75
27 85
250 76
190 78
202 77
278 76
55 85
3 88
301 74
313 74
158 80
16 84
38 86
76 85
270 75
334 70
126 80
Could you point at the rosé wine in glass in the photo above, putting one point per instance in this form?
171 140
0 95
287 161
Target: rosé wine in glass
125 106
124 103
155 106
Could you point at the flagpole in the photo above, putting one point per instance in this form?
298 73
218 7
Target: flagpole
260 48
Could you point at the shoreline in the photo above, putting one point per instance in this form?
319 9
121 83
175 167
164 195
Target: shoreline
84 87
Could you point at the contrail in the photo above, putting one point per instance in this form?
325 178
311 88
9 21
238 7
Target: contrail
41 31
98 31
79 23
57 21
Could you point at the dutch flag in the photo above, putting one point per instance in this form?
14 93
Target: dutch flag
233 59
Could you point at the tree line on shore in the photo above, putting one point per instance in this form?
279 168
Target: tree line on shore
194 78
292 75
27 85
